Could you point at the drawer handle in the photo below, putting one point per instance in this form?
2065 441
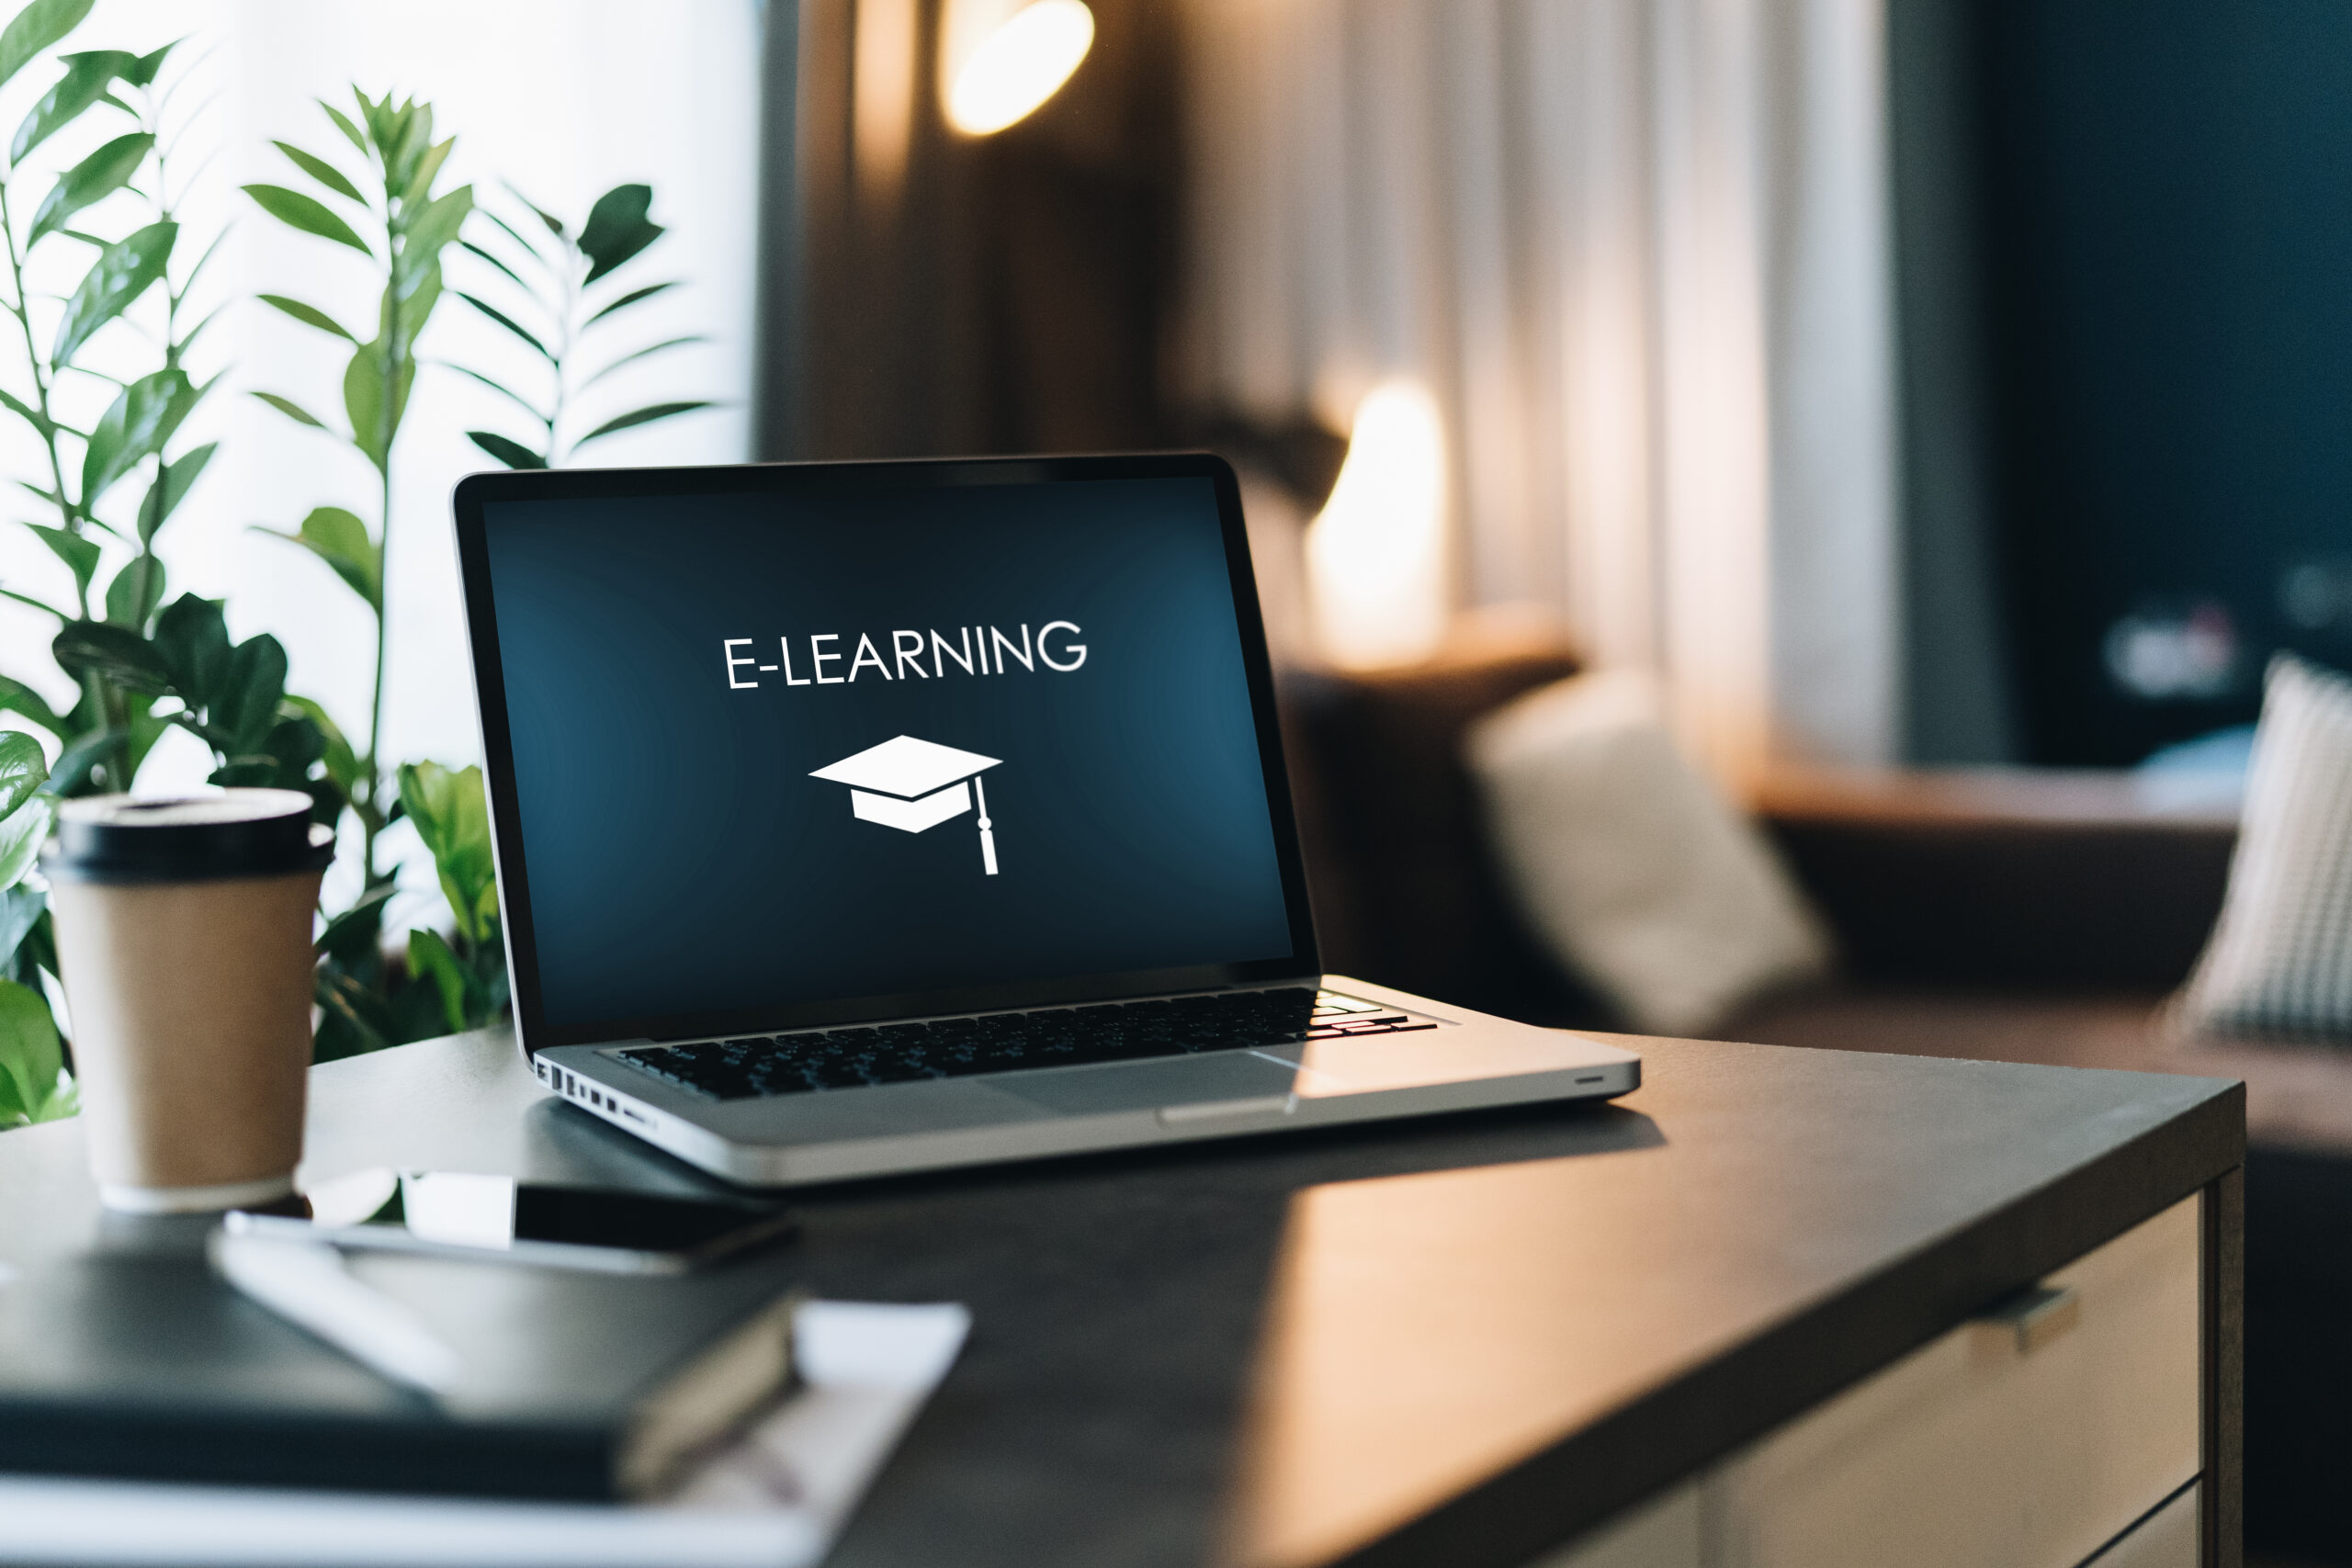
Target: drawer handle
2034 1317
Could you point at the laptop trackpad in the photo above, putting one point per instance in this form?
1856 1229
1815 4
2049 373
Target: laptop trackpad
1147 1085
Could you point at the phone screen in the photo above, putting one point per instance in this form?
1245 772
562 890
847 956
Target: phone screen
458 1209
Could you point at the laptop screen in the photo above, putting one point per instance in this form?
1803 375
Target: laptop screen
811 750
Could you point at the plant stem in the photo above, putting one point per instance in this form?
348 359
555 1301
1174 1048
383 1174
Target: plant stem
372 817
154 123
371 820
564 315
68 513
106 703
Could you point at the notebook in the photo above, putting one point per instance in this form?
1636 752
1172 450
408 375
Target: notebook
776 1498
575 1386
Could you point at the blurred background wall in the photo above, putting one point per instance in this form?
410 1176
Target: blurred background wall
2125 230
1904 379
1629 258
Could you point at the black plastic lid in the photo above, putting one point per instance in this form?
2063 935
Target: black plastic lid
198 837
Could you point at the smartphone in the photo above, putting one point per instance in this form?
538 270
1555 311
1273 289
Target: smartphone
461 1214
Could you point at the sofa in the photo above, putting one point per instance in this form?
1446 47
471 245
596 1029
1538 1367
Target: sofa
1998 914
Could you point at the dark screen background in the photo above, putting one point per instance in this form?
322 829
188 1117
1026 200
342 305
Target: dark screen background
680 857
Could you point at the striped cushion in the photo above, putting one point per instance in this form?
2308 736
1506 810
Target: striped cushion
2280 961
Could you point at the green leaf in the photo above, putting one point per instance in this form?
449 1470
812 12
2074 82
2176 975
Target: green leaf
374 422
137 589
84 83
189 281
192 642
307 213
353 1020
32 1059
141 71
477 250
554 225
514 234
35 28
309 315
144 728
646 352
18 698
514 454
37 950
114 654
318 169
416 294
23 769
133 429
29 599
636 417
342 123
81 758
343 763
243 709
20 911
428 169
507 321
350 938
377 115
340 539
91 181
31 416
406 149
122 273
617 228
507 392
288 746
452 817
429 958
79 555
632 298
190 337
21 832
293 410
429 232
171 487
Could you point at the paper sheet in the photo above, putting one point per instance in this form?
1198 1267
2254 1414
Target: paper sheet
775 1500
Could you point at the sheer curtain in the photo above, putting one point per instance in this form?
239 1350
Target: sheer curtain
564 98
1637 251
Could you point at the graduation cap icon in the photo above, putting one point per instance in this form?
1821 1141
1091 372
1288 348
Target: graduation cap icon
915 784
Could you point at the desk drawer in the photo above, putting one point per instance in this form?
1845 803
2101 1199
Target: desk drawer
2003 1444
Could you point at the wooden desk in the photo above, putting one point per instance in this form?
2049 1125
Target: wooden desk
1463 1341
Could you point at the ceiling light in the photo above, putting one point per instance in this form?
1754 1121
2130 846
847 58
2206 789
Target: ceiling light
999 60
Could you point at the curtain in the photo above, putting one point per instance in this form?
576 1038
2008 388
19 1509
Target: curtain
1637 252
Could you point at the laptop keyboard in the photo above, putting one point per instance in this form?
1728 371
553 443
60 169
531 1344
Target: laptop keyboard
759 1065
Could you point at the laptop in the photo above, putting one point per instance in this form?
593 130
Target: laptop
854 819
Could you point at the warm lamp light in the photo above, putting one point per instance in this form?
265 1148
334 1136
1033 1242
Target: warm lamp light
1000 59
1375 556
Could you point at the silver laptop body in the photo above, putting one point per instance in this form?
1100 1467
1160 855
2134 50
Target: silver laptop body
860 819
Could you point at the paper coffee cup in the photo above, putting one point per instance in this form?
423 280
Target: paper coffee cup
183 941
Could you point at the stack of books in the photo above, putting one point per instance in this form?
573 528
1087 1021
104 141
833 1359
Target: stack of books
149 1412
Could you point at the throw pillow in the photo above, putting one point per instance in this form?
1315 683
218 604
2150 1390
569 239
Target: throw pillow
1641 879
2280 960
